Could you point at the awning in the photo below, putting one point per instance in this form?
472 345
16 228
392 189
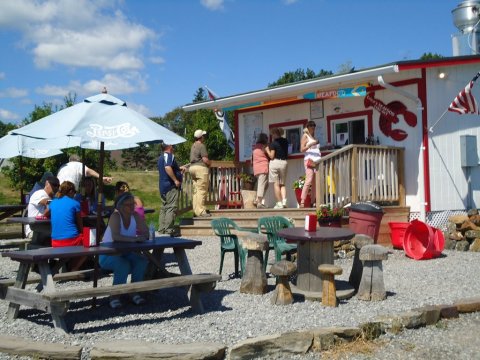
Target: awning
292 90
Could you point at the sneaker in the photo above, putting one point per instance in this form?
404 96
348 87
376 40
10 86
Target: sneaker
278 205
261 206
284 203
115 303
205 214
138 299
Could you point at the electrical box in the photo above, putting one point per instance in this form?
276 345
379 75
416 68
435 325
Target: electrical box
468 151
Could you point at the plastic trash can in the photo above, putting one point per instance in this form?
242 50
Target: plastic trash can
397 232
365 218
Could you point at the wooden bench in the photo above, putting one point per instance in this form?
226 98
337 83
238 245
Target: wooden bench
57 302
36 278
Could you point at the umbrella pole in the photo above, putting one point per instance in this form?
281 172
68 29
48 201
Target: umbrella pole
20 174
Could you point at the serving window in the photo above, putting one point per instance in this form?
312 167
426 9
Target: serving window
293 134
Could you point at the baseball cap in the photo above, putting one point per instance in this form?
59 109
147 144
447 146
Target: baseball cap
199 133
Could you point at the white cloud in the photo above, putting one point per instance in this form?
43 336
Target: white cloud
6 115
2 75
127 83
142 109
157 60
212 4
13 93
78 33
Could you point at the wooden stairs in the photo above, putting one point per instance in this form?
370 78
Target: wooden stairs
248 218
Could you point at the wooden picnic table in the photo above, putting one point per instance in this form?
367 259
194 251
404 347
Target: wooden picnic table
8 210
56 301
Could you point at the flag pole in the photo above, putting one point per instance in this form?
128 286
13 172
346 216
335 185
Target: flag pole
440 118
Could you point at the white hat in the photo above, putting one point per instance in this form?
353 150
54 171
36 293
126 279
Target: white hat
199 133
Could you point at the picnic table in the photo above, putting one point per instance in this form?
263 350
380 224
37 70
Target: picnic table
56 301
8 210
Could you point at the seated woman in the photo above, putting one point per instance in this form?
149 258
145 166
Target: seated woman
67 227
123 226
122 187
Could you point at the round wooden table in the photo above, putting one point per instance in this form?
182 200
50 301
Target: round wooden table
313 249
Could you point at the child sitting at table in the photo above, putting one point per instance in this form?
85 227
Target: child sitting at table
67 227
123 226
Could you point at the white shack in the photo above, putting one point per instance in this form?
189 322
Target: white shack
392 105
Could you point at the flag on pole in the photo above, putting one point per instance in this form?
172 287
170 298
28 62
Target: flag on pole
464 102
222 121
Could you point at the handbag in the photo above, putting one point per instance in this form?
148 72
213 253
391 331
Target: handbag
311 164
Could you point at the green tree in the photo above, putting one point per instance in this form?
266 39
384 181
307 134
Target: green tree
431 56
5 128
299 75
139 158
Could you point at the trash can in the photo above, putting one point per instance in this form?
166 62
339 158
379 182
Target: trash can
365 218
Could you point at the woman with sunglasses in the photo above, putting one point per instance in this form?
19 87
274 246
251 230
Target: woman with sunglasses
123 226
311 147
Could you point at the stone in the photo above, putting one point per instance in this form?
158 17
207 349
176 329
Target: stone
475 219
329 292
395 323
457 236
358 242
472 234
458 219
468 305
326 338
448 311
475 245
273 346
134 349
24 347
462 245
282 295
372 287
450 244
430 314
472 212
468 225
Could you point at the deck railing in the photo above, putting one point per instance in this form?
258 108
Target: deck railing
224 185
362 173
351 174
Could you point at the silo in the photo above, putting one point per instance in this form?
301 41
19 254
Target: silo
466 17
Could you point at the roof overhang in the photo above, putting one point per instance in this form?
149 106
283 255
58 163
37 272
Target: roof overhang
292 90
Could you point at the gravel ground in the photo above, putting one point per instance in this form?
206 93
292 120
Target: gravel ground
231 316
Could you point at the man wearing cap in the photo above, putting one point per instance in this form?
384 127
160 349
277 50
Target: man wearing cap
170 182
38 203
199 164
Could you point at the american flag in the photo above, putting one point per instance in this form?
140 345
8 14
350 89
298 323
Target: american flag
464 102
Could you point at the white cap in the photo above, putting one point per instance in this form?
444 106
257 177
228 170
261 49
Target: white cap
199 133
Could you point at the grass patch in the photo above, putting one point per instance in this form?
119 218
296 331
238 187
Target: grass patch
357 346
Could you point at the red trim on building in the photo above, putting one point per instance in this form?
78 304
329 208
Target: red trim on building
437 63
367 113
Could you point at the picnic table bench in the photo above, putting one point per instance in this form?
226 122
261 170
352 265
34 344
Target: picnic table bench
8 210
56 301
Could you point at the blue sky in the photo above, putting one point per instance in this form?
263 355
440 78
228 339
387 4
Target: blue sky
155 54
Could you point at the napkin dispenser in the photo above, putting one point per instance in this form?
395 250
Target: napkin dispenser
311 222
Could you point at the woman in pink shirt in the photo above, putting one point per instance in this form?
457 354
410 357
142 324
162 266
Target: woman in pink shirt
260 168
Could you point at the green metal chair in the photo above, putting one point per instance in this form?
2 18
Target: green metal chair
270 225
222 227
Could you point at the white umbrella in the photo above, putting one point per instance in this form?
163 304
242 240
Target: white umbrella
100 118
17 145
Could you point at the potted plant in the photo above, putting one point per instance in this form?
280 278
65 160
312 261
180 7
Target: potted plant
298 187
247 181
330 216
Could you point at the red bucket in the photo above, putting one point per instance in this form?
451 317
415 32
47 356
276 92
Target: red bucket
397 233
419 241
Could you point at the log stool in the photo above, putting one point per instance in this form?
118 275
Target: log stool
358 241
372 286
282 270
328 272
254 281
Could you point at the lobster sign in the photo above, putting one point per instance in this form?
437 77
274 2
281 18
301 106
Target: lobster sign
389 116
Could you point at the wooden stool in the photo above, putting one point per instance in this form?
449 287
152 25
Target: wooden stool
358 241
254 281
372 286
282 270
328 272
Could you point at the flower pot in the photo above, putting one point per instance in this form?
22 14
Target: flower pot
330 222
248 185
308 200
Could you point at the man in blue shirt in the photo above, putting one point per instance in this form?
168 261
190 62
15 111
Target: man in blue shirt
170 182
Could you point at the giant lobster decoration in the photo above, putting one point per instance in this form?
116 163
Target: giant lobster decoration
389 116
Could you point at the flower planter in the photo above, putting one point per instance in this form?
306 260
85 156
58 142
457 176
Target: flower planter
308 200
330 222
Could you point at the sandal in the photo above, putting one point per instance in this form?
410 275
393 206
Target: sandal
138 300
302 205
115 303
